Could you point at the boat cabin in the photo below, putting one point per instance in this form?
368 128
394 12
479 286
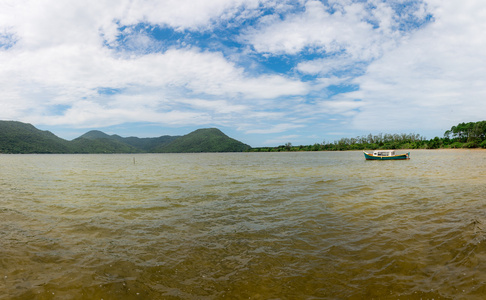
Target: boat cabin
384 152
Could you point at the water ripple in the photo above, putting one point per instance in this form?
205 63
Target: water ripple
242 226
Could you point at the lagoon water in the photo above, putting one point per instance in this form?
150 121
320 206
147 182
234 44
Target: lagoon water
320 225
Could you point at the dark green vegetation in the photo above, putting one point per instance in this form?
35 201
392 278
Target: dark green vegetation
131 144
466 135
204 140
463 135
17 137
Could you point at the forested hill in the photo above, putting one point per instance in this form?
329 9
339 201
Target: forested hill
142 144
204 140
18 137
463 135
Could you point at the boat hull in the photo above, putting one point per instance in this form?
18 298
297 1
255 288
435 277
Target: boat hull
393 157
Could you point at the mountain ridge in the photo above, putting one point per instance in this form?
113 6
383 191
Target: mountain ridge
18 137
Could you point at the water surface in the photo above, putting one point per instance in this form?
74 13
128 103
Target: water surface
320 225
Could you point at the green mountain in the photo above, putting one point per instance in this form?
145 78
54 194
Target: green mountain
142 144
203 140
17 137
96 134
103 145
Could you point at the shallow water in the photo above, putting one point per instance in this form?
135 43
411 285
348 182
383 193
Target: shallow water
320 225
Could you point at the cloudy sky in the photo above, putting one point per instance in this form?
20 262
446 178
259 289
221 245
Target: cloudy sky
265 72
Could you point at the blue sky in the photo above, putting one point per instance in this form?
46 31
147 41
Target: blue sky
265 72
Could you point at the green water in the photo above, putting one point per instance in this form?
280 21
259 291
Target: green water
324 225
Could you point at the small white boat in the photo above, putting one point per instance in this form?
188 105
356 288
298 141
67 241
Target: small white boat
385 155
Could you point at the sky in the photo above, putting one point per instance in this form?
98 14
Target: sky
265 72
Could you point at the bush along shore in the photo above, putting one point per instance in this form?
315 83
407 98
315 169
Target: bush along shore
463 135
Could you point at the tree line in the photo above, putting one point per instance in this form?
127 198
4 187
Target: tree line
463 135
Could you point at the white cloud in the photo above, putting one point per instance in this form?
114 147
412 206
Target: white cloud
68 62
342 107
433 80
276 128
49 22
346 29
59 58
185 14
216 106
89 114
281 140
337 64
